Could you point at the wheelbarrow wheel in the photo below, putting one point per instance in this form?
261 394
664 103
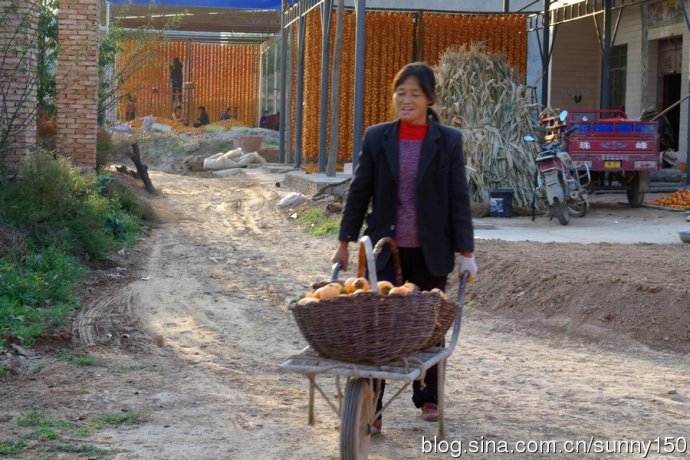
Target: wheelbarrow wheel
355 423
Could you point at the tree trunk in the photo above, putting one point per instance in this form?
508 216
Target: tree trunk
142 169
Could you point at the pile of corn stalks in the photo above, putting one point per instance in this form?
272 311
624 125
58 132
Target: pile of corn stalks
480 94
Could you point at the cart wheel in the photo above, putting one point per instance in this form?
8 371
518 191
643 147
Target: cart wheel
562 212
358 411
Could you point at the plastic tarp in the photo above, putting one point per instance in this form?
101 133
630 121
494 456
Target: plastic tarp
237 4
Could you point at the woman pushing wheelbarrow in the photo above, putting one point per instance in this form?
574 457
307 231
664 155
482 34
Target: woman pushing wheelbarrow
412 173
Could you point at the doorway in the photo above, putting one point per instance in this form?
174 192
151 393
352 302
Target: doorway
669 89
671 94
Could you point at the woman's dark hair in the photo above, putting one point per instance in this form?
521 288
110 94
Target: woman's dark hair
426 79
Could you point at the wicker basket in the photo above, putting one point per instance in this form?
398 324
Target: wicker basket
444 320
371 327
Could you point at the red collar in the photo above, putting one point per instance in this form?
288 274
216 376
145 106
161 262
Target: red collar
410 132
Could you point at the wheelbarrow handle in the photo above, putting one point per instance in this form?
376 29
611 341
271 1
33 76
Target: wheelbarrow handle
464 276
335 269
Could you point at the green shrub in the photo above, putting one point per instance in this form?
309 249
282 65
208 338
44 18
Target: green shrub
128 200
36 293
61 218
48 191
56 203
104 149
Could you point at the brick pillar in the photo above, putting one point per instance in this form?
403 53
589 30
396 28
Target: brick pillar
77 81
18 19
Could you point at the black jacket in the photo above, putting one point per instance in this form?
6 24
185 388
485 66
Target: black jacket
203 117
444 217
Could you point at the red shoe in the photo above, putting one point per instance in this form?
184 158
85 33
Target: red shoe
430 412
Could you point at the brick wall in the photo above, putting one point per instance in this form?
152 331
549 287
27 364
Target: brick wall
77 81
18 20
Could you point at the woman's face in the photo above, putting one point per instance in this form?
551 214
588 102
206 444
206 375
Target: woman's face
410 102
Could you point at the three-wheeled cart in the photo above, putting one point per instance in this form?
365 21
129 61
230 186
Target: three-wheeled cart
356 407
619 153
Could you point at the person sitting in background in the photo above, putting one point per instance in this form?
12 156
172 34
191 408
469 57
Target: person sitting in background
177 113
227 115
263 119
203 117
131 108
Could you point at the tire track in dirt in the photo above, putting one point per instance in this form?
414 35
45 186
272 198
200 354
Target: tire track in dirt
96 322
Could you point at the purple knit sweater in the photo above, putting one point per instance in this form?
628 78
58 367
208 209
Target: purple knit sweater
406 235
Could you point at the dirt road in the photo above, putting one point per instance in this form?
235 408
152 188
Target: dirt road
562 343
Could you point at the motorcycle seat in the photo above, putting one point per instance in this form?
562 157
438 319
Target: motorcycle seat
545 157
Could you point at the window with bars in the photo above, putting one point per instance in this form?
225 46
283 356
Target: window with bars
617 75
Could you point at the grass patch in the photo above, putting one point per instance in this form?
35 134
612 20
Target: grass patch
126 418
12 446
52 432
36 368
36 419
36 292
79 360
45 432
84 449
83 432
318 222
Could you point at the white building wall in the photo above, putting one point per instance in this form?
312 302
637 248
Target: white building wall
575 66
653 70
630 32
534 64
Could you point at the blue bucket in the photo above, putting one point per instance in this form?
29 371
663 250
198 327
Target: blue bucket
501 202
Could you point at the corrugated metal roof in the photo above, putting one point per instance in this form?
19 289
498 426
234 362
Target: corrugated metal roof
228 25
233 4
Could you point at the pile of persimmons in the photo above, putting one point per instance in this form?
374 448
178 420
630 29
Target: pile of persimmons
359 285
680 199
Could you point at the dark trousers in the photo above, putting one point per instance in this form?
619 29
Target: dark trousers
414 270
177 90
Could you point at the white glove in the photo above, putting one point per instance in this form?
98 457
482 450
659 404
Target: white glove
468 264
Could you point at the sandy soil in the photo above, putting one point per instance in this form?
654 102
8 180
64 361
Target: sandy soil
560 342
